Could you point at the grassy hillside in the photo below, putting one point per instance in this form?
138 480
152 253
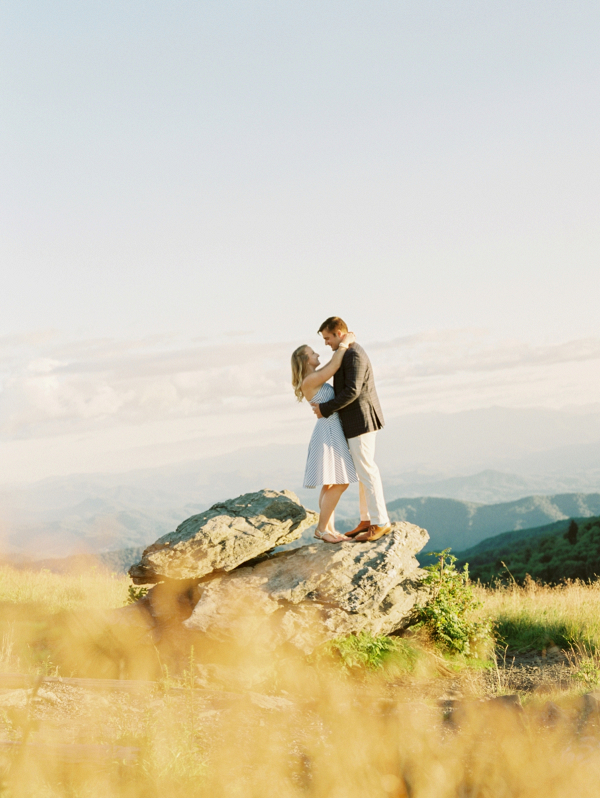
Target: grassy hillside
550 553
460 525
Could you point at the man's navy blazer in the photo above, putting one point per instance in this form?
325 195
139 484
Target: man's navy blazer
355 398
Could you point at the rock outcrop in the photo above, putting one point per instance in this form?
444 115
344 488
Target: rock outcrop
221 578
226 536
313 594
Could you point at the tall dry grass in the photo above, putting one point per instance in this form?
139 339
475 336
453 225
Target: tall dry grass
32 603
326 737
535 616
53 592
303 728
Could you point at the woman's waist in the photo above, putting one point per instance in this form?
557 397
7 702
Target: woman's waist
333 417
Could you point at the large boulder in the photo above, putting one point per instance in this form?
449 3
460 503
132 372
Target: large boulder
306 596
226 536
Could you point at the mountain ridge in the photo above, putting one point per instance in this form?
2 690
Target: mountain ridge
461 525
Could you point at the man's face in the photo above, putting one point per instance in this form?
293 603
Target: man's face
332 339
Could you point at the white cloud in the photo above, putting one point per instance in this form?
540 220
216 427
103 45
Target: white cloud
54 387
454 351
62 387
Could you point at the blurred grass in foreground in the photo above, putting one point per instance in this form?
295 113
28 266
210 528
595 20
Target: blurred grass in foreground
33 602
333 738
360 722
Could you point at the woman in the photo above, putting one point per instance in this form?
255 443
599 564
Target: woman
329 462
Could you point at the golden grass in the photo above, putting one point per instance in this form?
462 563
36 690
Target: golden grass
314 731
333 737
32 603
535 616
56 592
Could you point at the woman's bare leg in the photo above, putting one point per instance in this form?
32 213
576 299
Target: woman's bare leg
331 524
328 503
324 490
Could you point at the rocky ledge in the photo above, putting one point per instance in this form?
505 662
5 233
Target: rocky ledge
226 536
222 580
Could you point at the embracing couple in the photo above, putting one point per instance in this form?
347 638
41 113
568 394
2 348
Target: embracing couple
342 446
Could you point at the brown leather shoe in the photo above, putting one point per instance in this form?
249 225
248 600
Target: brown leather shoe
362 527
374 532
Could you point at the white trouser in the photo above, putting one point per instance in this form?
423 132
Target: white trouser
370 489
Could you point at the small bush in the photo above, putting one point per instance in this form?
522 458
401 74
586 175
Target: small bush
362 650
135 594
448 614
588 672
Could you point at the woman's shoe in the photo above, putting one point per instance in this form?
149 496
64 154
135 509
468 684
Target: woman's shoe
329 537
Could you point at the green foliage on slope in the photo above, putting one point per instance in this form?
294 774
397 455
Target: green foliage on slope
550 554
362 650
449 615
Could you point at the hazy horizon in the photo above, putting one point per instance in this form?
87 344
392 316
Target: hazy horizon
486 456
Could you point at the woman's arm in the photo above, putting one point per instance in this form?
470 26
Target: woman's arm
354 377
312 382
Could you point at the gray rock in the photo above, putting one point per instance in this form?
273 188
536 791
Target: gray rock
226 536
313 594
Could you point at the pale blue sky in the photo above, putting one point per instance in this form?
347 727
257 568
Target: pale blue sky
188 169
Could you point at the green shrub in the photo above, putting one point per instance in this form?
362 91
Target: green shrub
448 614
362 650
588 672
135 594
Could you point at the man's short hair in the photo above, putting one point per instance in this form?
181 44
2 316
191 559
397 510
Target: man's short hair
334 325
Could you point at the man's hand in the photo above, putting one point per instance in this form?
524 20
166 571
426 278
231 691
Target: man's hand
317 410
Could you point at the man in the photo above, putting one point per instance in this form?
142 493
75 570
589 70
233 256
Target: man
358 407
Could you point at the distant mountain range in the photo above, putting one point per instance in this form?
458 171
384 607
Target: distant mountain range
460 525
492 487
132 516
456 525
102 512
438 469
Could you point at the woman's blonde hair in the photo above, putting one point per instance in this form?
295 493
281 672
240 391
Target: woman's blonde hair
299 364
